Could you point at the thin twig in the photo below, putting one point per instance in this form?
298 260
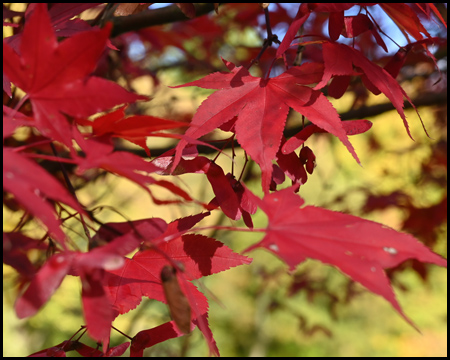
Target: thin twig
71 189
271 38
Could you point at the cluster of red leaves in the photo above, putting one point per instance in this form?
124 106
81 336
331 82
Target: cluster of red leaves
58 82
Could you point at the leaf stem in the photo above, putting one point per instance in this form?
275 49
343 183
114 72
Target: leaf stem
83 327
381 31
120 332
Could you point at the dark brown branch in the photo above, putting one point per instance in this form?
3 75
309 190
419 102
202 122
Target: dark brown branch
165 15
426 99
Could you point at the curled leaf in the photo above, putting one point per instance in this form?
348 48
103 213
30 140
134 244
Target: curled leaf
180 310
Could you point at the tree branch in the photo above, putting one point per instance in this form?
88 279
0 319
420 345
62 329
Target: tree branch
426 99
165 15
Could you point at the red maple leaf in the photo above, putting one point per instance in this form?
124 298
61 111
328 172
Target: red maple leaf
197 255
406 19
261 106
340 60
63 19
60 350
100 154
132 128
15 249
303 13
351 127
12 120
56 78
147 338
397 61
231 196
141 275
360 248
30 184
356 25
90 267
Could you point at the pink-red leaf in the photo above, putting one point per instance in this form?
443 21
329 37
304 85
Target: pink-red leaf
31 190
140 276
351 127
339 59
90 267
102 155
56 76
97 309
229 195
292 166
66 346
44 284
406 19
335 24
197 255
300 18
132 128
356 25
62 17
12 120
225 195
117 350
184 224
360 248
303 14
394 65
434 9
15 247
261 106
148 229
147 338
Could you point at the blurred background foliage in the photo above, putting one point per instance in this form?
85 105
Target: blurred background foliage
261 309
